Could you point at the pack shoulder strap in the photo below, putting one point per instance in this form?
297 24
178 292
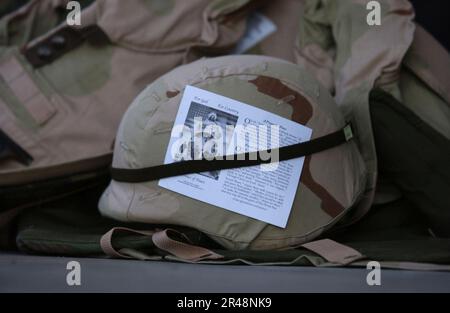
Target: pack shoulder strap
138 175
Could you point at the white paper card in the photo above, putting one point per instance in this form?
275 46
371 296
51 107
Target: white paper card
259 27
263 192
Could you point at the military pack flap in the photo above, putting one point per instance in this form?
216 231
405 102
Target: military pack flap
162 26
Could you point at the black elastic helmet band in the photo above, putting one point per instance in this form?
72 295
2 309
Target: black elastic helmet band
139 175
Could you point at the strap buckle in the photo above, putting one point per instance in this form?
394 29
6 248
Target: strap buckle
348 132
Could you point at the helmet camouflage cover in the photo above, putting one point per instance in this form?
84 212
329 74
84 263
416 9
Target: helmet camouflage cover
331 181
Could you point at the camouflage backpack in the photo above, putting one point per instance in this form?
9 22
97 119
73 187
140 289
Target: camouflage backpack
63 90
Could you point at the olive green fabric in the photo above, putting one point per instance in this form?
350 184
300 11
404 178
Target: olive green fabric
396 232
73 227
415 157
14 199
68 227
389 232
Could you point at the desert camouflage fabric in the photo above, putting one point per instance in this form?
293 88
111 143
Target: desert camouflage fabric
285 14
350 58
96 81
422 77
63 90
331 181
420 82
24 20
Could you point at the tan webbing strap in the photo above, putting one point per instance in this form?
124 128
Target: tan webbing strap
333 252
106 241
182 250
26 90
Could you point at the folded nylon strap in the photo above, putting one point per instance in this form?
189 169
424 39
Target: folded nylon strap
182 250
106 241
161 240
330 250
333 252
139 175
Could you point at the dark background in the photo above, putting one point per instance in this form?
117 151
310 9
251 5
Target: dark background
434 16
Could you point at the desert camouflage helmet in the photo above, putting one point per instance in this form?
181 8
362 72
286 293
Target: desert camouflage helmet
331 181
